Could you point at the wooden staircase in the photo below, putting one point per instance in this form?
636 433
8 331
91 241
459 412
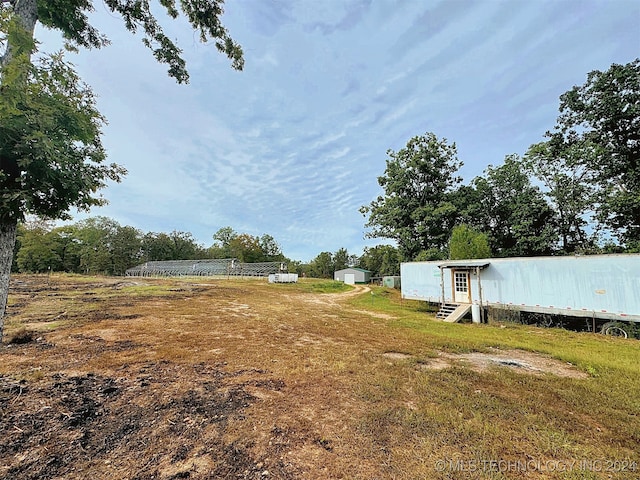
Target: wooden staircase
453 312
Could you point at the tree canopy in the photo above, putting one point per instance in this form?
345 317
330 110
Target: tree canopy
416 209
513 212
51 154
602 119
466 242
569 188
247 248
204 16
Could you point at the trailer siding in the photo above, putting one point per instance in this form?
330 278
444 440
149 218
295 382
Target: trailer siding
603 285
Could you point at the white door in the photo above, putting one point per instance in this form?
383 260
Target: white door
461 287
350 278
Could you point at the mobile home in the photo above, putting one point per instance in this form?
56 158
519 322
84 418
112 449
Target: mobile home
599 286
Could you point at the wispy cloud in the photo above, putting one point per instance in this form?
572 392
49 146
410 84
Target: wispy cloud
293 145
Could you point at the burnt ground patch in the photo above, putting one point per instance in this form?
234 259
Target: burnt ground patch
161 420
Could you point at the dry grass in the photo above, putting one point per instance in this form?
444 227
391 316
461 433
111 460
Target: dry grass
232 379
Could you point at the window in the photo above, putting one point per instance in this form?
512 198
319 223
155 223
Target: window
461 283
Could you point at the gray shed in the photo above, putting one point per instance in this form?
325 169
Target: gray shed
352 275
391 281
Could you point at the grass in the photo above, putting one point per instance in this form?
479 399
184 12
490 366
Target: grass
314 285
588 351
503 404
346 410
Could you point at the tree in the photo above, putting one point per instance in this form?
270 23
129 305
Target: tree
184 247
605 113
246 248
222 239
322 266
340 259
466 242
157 247
173 246
381 260
271 251
204 16
38 249
416 209
125 249
68 248
94 237
51 156
569 188
513 212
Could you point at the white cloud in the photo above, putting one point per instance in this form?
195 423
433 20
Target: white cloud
293 145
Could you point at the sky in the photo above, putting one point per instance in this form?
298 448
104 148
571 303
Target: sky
293 145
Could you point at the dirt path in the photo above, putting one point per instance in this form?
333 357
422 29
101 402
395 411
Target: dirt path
336 299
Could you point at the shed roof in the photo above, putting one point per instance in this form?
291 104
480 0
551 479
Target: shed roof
354 268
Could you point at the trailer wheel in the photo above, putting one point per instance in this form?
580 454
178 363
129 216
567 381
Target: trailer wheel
614 329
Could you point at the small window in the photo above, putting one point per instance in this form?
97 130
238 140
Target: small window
461 284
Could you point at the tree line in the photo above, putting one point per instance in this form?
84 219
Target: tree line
100 245
577 191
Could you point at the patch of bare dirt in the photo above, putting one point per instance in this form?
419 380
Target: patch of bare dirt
516 360
129 283
172 416
383 316
396 355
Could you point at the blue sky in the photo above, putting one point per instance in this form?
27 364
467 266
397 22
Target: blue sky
292 146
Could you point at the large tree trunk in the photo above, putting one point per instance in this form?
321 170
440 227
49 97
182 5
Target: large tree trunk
7 243
27 11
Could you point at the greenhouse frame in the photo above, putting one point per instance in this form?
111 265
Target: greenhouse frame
205 268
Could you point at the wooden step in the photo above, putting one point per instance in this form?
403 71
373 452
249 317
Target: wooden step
458 313
446 309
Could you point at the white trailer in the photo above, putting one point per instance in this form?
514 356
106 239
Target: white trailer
595 286
283 278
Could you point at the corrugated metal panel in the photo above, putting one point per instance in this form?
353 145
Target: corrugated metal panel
603 284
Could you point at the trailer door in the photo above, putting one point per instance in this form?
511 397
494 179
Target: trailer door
461 286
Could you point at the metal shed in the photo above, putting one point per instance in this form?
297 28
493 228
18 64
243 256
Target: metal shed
352 275
598 286
391 281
